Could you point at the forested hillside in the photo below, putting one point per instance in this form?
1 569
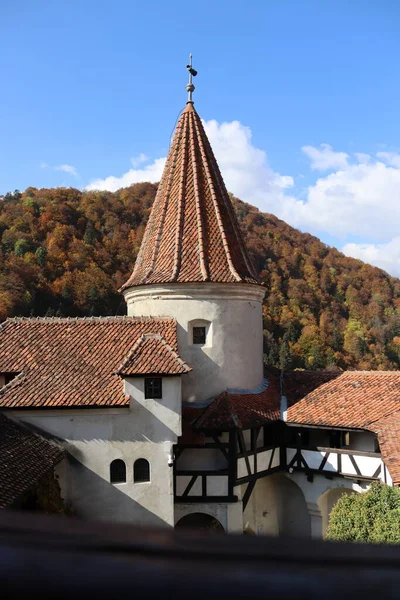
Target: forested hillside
65 252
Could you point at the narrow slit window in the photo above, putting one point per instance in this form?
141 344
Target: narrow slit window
199 335
117 471
141 470
153 387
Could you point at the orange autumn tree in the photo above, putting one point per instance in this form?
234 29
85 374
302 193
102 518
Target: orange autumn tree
66 252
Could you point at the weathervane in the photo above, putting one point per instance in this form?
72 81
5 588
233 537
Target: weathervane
190 86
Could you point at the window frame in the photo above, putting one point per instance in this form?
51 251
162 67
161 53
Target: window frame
149 394
114 463
208 333
146 466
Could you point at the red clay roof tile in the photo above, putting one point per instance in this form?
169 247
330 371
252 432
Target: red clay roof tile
24 458
73 362
152 355
353 399
240 411
192 234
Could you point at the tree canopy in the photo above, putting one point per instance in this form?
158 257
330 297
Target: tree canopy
373 516
66 252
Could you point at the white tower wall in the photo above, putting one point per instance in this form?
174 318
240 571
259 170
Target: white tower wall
232 356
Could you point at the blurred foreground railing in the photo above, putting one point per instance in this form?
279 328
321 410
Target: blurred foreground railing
48 557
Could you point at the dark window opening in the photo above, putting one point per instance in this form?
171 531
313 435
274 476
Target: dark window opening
141 470
117 471
297 437
339 439
9 377
274 434
153 387
199 335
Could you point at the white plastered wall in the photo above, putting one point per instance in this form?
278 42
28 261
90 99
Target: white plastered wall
95 437
233 354
314 490
276 507
228 514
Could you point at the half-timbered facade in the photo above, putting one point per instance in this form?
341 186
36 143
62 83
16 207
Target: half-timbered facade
167 414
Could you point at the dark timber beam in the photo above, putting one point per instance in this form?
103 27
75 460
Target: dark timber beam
248 492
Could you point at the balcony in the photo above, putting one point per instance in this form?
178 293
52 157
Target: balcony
354 464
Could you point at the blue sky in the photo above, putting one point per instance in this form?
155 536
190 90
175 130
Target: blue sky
300 100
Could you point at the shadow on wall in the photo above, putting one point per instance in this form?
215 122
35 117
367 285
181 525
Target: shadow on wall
91 497
204 368
199 521
123 427
278 507
294 518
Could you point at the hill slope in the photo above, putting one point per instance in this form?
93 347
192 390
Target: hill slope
66 252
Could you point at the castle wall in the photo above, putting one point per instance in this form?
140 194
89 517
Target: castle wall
228 514
95 437
314 493
232 356
277 507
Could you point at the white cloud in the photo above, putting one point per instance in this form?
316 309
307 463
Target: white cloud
244 167
325 158
138 160
386 256
362 158
65 168
363 200
151 173
391 158
359 197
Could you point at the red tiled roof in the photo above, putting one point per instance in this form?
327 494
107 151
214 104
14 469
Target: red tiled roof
72 362
24 458
152 355
192 234
388 432
240 411
353 399
189 416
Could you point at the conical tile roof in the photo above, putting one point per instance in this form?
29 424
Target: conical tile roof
192 234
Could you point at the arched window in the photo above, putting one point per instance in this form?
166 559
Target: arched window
117 471
141 470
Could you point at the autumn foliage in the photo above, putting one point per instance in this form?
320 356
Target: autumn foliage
65 252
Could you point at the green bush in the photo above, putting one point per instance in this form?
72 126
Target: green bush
372 517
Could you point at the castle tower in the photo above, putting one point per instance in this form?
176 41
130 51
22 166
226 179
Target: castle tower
193 265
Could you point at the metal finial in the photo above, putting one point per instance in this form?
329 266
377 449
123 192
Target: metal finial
190 86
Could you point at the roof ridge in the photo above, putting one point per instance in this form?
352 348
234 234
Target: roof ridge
192 234
228 204
199 213
105 319
168 174
181 205
140 341
215 201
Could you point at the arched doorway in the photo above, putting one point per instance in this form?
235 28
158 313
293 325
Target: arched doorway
294 518
199 521
327 501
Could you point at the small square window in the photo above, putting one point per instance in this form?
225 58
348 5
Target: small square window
153 387
199 335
